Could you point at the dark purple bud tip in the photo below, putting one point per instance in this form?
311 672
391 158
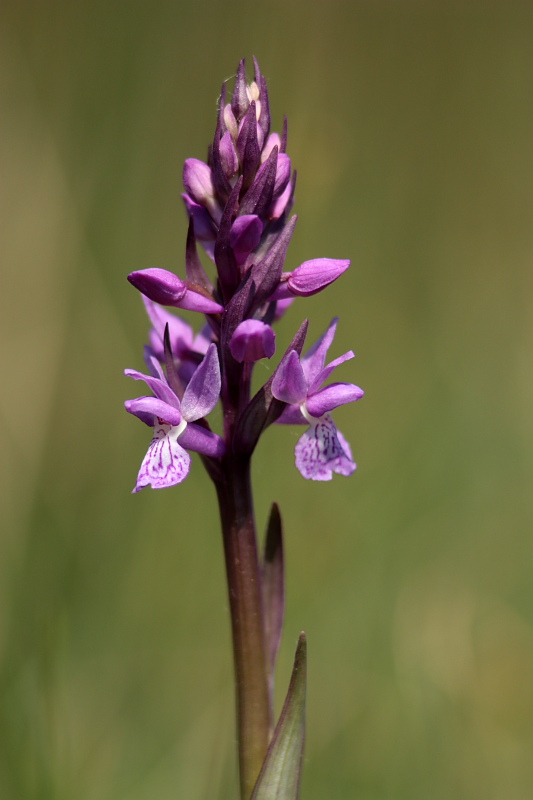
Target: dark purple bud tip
252 340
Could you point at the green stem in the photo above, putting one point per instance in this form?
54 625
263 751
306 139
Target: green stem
243 575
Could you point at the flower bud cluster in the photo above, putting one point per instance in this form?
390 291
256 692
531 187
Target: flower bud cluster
238 203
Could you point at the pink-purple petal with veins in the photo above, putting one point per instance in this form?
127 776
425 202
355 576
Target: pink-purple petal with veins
332 396
289 383
199 439
165 464
320 452
157 408
203 390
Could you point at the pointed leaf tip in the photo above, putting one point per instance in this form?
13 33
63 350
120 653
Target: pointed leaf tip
279 778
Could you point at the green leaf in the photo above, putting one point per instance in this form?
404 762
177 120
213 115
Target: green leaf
279 778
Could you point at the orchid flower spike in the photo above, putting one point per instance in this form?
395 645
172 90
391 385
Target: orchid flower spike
322 450
167 461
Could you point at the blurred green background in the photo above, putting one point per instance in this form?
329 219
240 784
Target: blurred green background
411 128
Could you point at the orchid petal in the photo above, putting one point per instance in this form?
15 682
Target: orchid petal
203 390
315 358
332 396
159 387
289 383
320 452
143 406
324 374
180 332
199 439
166 463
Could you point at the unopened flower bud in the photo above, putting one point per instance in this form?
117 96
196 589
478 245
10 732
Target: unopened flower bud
228 155
245 235
273 141
310 277
252 340
165 288
230 121
198 182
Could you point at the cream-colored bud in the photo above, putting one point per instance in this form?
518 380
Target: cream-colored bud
252 91
230 121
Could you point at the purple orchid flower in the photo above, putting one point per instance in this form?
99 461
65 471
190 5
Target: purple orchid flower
322 450
167 462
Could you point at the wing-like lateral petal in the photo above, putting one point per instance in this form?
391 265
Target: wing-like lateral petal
203 390
324 374
166 463
159 387
332 396
315 358
320 452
